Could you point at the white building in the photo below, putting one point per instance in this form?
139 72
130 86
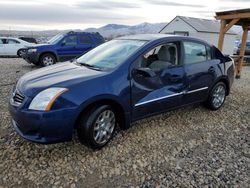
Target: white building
204 29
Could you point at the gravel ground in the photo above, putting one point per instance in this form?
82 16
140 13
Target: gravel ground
189 147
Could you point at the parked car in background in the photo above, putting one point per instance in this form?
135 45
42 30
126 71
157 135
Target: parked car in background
62 47
236 46
29 39
247 52
10 46
117 83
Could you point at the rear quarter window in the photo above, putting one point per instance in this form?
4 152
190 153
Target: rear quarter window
99 39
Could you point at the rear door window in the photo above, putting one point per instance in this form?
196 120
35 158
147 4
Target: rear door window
85 39
196 52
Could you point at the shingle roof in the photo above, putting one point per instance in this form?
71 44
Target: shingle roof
204 25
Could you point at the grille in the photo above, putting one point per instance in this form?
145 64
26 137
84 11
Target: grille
18 97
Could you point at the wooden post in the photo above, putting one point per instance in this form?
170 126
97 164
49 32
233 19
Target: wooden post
222 34
242 50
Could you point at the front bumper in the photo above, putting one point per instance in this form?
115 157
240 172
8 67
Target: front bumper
44 127
32 57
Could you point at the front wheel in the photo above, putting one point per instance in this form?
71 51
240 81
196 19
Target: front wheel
96 128
47 60
20 52
217 96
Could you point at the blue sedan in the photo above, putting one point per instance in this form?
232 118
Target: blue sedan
117 83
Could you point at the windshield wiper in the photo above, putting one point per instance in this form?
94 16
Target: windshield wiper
89 66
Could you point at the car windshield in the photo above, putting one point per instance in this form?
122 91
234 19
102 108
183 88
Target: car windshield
55 39
110 54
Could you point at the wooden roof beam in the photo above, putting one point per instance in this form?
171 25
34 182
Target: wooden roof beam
233 16
231 23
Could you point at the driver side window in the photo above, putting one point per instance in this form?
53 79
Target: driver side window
70 40
160 57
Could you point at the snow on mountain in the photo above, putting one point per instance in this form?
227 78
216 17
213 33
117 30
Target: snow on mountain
115 30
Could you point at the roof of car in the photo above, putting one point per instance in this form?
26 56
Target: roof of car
8 38
150 37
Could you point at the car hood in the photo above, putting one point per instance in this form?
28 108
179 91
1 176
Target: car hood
60 75
45 45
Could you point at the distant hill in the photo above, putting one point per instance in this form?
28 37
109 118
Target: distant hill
114 30
109 31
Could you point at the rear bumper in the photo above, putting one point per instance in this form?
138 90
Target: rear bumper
43 127
31 57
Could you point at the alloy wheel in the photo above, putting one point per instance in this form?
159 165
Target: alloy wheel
104 127
218 96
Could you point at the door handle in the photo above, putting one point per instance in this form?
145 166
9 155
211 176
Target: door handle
211 69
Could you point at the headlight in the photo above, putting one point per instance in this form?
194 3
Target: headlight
45 99
32 50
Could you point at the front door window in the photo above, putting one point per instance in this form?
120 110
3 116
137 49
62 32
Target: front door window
70 40
160 57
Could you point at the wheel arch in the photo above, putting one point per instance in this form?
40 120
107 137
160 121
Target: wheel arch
48 52
118 107
225 81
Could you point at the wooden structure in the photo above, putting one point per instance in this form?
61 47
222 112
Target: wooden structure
228 19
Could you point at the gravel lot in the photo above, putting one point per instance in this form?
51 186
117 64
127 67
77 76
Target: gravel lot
189 147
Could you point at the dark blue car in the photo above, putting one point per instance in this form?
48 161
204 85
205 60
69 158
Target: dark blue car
117 83
62 47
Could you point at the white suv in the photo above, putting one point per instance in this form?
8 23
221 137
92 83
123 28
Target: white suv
13 46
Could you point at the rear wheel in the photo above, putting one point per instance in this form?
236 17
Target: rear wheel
217 96
47 60
96 128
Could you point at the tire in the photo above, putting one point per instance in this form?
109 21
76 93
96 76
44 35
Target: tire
217 96
47 60
97 127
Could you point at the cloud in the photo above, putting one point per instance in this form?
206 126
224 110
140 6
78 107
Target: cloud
172 3
238 1
50 14
225 8
106 5
203 12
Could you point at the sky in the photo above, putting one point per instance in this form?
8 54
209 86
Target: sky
82 14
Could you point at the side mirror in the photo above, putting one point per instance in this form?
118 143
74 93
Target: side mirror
63 44
144 72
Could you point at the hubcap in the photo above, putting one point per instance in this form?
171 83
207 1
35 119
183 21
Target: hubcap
219 96
47 60
104 126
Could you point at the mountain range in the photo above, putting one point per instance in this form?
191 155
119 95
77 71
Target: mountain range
108 31
115 30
